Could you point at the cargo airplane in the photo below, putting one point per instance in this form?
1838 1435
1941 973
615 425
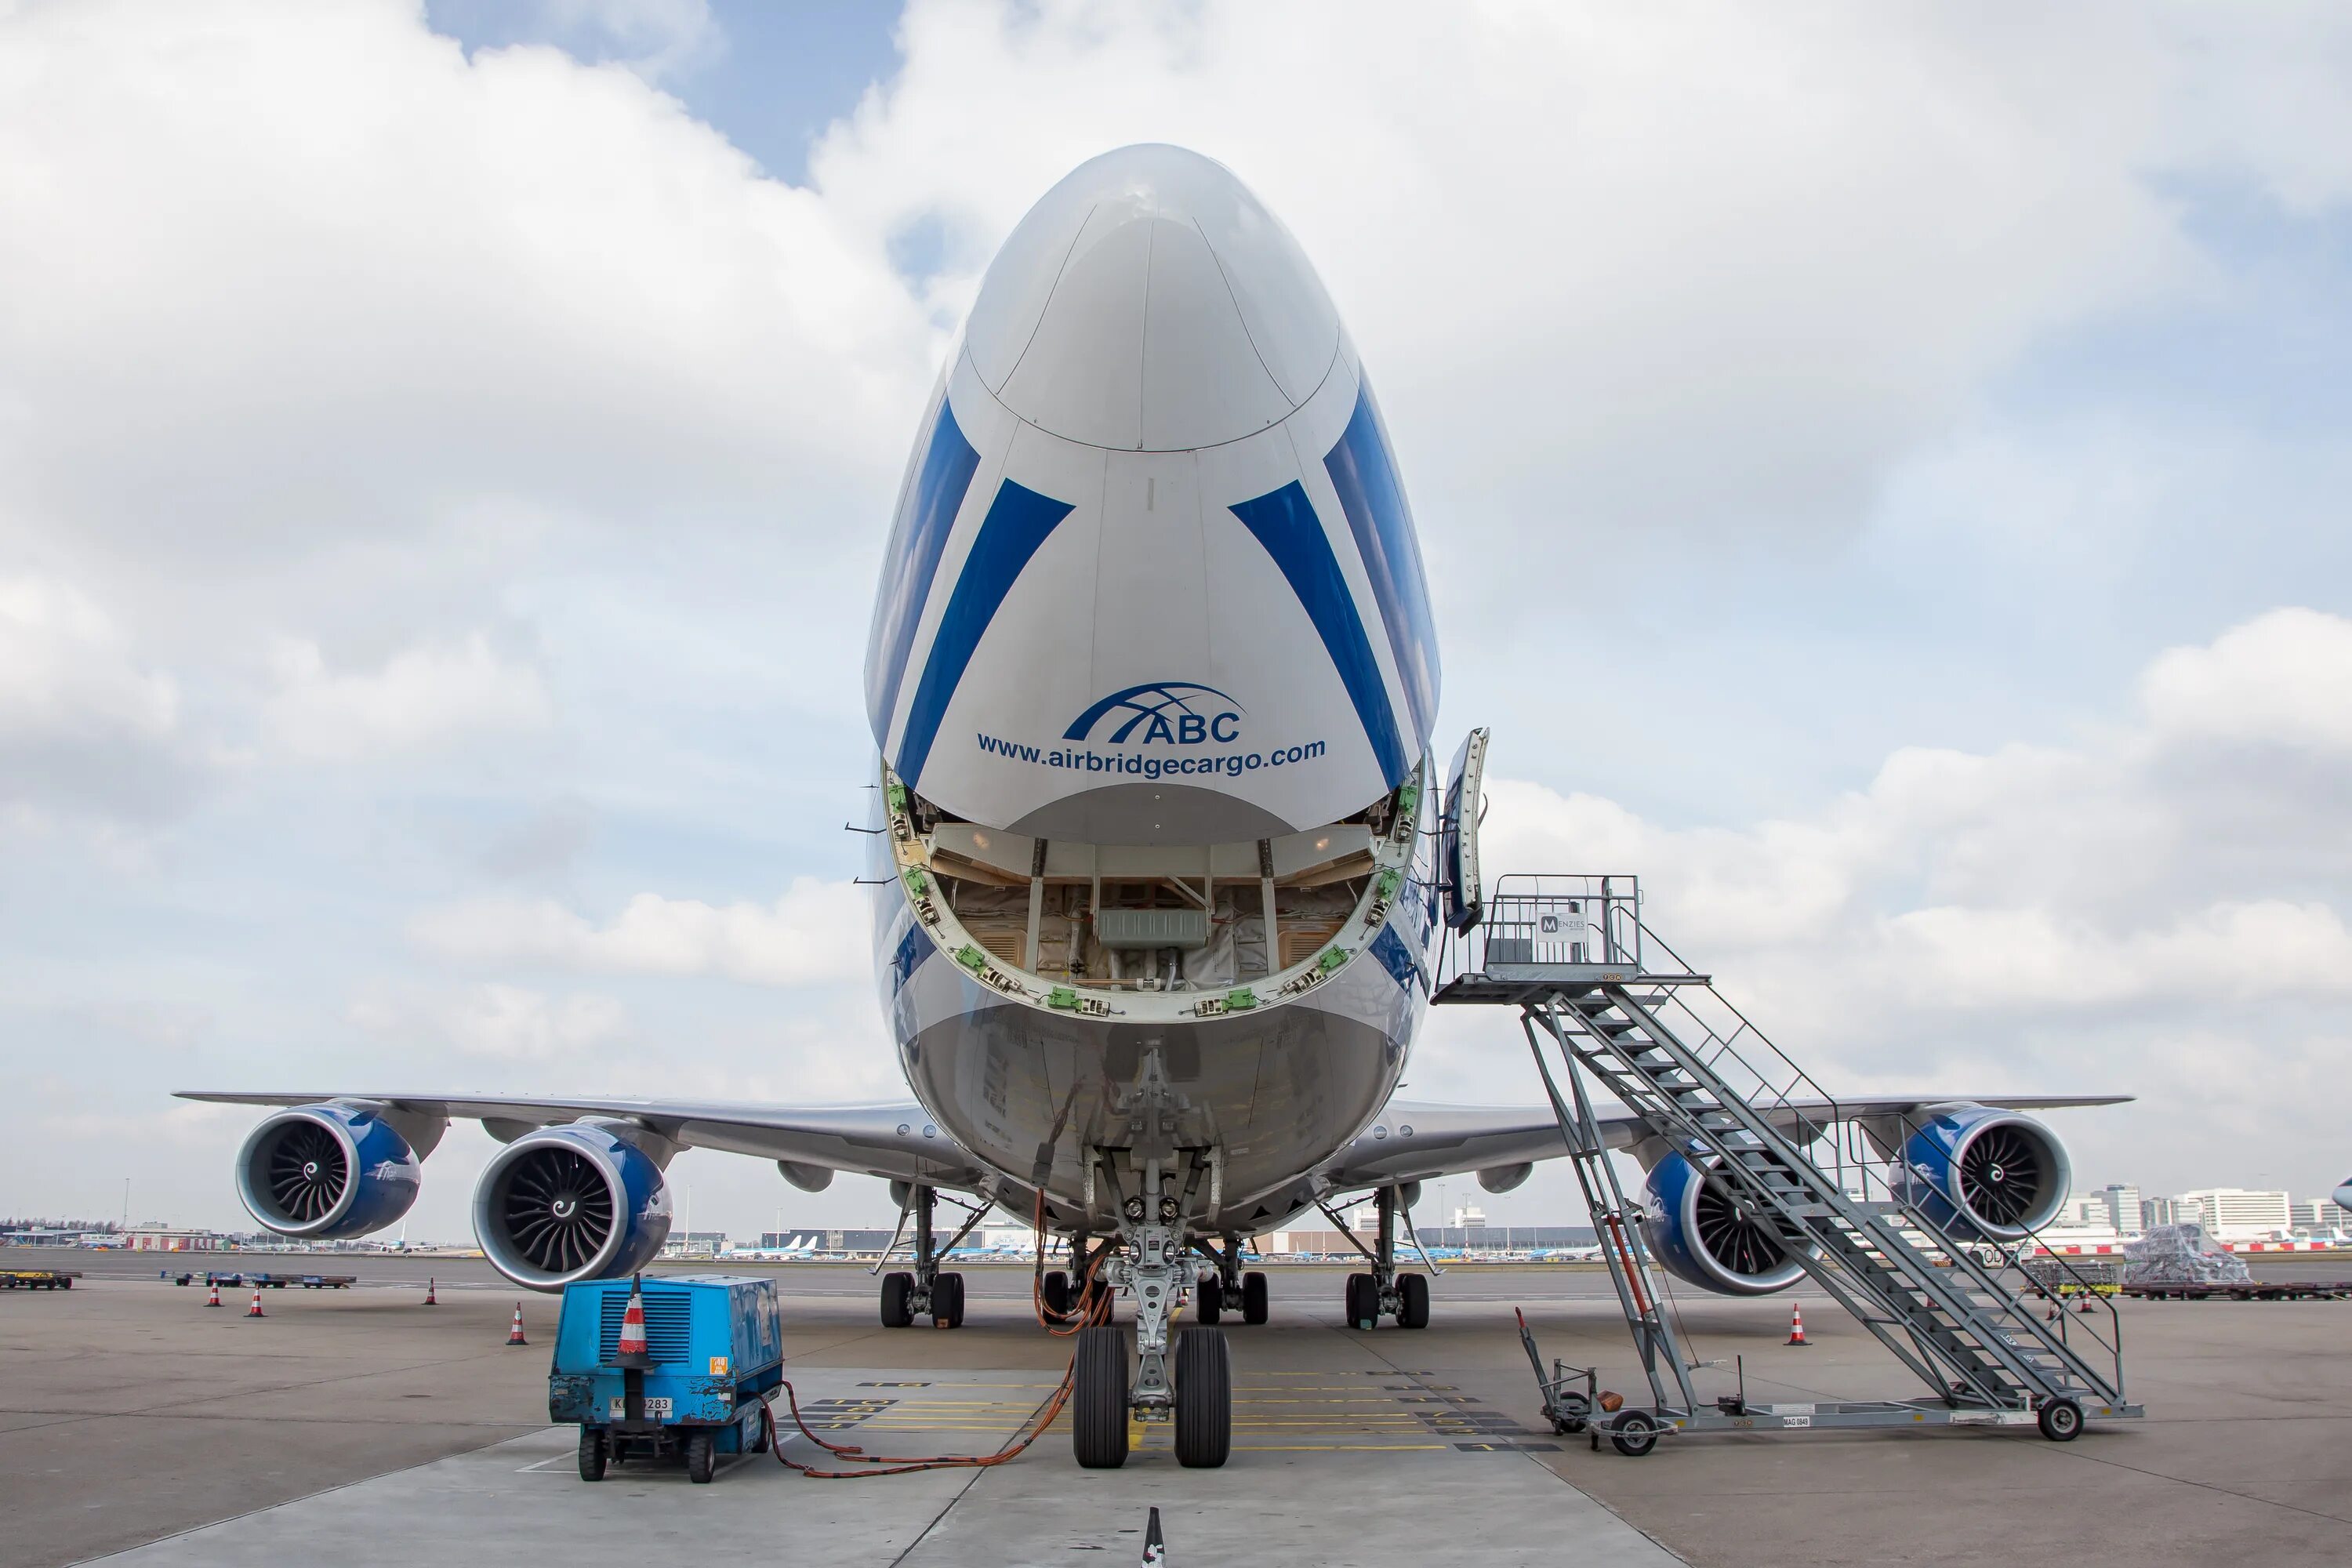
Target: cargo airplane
1152 677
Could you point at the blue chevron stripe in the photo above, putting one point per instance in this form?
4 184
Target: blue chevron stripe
1365 476
926 519
1283 522
1019 520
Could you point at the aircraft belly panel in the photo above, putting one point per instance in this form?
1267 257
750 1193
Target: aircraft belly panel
1277 1091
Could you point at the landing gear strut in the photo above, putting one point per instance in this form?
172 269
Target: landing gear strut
928 1290
1149 1265
1383 1292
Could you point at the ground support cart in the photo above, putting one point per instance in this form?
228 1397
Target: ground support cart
2247 1291
714 1353
39 1278
273 1281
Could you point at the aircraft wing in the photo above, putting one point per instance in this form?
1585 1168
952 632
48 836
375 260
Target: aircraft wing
897 1142
1453 1139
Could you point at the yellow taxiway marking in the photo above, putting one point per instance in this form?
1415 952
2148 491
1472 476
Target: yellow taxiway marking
1320 1448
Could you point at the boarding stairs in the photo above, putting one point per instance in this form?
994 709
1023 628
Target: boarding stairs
1662 1041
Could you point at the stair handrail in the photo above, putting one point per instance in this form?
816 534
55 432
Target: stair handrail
1961 1259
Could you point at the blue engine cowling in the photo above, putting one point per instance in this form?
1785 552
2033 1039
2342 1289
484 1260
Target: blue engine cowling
1979 1174
327 1171
1694 1230
568 1203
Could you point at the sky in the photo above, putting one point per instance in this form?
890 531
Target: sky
1880 472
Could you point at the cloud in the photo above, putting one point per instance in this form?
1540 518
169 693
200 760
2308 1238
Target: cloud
2284 679
86 727
2077 918
509 1023
329 343
1689 267
813 935
461 284
422 697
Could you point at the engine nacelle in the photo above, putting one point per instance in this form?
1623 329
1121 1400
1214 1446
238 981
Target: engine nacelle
1698 1233
328 1172
575 1202
1979 1174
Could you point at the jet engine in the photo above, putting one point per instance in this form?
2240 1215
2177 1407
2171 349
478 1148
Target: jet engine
1695 1230
583 1201
1979 1174
331 1171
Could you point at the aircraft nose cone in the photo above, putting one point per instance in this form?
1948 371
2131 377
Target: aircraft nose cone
1150 302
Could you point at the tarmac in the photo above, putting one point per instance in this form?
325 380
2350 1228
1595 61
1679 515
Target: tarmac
359 1426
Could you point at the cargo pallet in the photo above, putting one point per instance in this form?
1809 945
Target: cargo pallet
1568 952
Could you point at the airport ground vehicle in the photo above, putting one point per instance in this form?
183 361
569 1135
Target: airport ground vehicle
39 1278
713 1352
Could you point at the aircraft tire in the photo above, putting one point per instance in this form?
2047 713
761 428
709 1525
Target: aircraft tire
1209 1299
1204 1399
1254 1298
1363 1303
1098 1399
1413 1311
895 1313
1056 1293
947 1300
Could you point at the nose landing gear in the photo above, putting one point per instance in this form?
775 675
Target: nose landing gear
1149 1266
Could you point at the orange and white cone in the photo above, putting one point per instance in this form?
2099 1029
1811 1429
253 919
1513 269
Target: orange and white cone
255 1311
1796 1325
2082 1302
213 1300
428 1292
629 1349
514 1334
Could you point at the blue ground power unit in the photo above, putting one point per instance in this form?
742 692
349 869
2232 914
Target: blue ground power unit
714 1348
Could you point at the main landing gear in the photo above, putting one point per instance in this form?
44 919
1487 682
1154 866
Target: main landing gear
1189 1383
1229 1289
1385 1293
927 1291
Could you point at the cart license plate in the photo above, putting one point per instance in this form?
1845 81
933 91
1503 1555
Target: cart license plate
657 1406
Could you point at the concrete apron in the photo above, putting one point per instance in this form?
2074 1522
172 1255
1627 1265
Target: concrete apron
1329 1468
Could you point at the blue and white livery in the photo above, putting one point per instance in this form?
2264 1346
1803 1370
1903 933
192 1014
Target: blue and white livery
1152 677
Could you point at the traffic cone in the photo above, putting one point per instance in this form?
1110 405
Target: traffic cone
255 1311
630 1349
428 1292
2083 1303
514 1334
1155 1550
213 1299
1796 1324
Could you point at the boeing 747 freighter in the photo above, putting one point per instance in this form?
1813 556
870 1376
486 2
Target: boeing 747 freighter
1153 676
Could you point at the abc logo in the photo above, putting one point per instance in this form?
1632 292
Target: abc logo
1172 712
